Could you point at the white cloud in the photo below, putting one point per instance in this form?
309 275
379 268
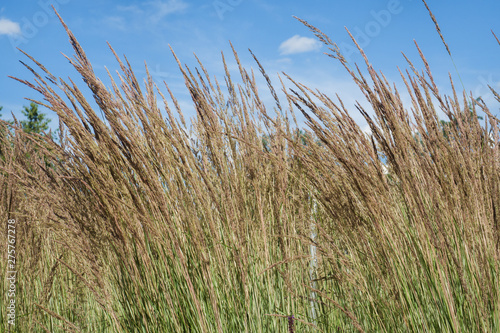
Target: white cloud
8 27
298 44
367 130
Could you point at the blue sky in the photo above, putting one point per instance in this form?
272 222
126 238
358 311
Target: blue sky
143 31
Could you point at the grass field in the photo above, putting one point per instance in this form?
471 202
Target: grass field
129 226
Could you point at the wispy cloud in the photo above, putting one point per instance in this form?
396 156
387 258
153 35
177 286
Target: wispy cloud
8 27
284 61
164 8
115 22
156 10
298 44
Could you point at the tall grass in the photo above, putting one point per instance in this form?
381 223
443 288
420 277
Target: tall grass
128 226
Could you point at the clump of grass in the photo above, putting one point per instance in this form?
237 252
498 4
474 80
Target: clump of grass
422 247
143 230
